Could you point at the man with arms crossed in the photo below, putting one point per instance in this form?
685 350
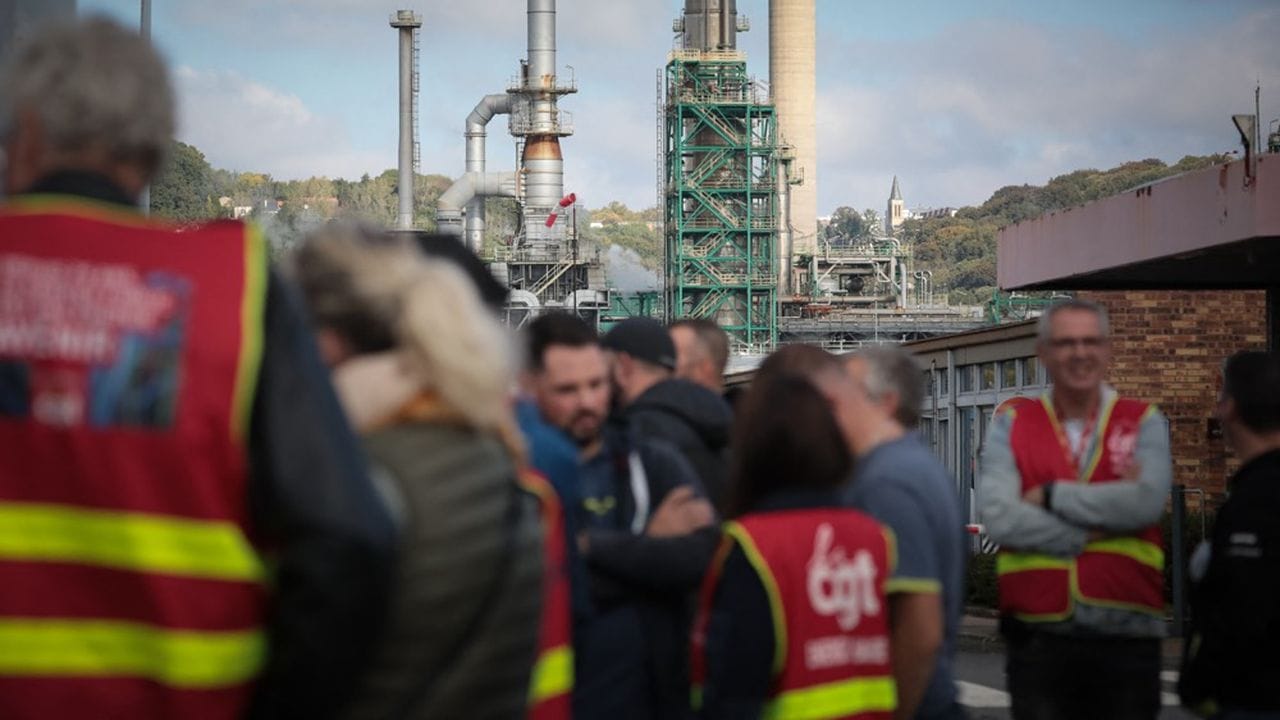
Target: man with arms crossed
1072 487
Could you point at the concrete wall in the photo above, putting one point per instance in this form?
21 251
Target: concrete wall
793 85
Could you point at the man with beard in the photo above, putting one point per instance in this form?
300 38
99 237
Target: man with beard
644 532
657 404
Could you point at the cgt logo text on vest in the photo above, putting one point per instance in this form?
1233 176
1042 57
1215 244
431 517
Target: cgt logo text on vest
843 587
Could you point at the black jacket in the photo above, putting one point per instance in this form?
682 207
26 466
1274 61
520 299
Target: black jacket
1232 659
693 419
632 655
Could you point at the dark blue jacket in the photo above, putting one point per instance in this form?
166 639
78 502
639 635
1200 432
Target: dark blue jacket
632 658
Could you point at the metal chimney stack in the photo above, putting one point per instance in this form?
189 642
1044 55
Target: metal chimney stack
407 23
710 25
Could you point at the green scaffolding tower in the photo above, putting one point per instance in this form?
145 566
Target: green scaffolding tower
720 188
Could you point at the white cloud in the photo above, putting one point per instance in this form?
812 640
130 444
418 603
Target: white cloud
956 114
244 125
984 104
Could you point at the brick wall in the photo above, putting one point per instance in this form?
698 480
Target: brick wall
1168 348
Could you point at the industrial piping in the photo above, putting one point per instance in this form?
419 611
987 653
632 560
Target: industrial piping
540 181
489 105
466 188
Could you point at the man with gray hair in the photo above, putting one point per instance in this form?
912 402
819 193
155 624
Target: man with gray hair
188 529
1072 486
702 352
900 483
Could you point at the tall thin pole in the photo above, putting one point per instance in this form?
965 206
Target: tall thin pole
145 200
1257 114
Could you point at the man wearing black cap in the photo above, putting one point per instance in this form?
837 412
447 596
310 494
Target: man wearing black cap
655 404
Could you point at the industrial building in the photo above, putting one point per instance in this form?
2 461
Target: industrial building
738 182
545 263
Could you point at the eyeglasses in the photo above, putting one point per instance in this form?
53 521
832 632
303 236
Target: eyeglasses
1087 343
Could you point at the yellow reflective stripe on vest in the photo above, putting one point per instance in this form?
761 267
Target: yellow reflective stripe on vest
834 700
128 541
252 307
1136 549
739 533
552 674
1008 562
93 648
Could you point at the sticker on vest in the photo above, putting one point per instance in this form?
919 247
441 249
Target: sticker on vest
89 343
1122 441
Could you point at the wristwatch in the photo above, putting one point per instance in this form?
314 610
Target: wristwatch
1048 496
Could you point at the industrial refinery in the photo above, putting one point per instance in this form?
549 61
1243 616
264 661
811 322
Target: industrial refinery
737 176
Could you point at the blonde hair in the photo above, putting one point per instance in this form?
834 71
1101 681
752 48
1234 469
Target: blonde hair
379 293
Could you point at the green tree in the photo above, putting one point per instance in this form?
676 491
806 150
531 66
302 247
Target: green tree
845 223
183 191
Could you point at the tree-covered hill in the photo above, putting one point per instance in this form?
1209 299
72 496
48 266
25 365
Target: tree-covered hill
961 250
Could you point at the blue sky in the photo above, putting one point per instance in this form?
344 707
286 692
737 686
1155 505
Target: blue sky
956 98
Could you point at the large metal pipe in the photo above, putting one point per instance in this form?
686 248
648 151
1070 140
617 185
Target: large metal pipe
542 44
471 185
407 22
792 66
489 105
785 238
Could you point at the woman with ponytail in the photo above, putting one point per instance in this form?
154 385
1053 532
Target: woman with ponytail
424 373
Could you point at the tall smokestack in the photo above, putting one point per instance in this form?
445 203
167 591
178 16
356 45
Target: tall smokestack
793 82
407 23
542 162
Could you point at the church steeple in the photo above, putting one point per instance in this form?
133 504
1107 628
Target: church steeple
896 212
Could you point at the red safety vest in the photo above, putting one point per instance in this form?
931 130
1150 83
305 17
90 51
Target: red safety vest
824 572
1125 572
551 685
129 586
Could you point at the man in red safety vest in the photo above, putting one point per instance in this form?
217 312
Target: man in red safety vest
1072 488
185 526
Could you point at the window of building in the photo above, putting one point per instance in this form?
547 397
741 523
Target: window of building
1030 371
943 374
987 376
964 381
1009 374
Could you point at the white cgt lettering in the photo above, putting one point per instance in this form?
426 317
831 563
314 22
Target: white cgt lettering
841 586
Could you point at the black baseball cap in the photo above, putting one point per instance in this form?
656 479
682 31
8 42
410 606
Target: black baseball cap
643 339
